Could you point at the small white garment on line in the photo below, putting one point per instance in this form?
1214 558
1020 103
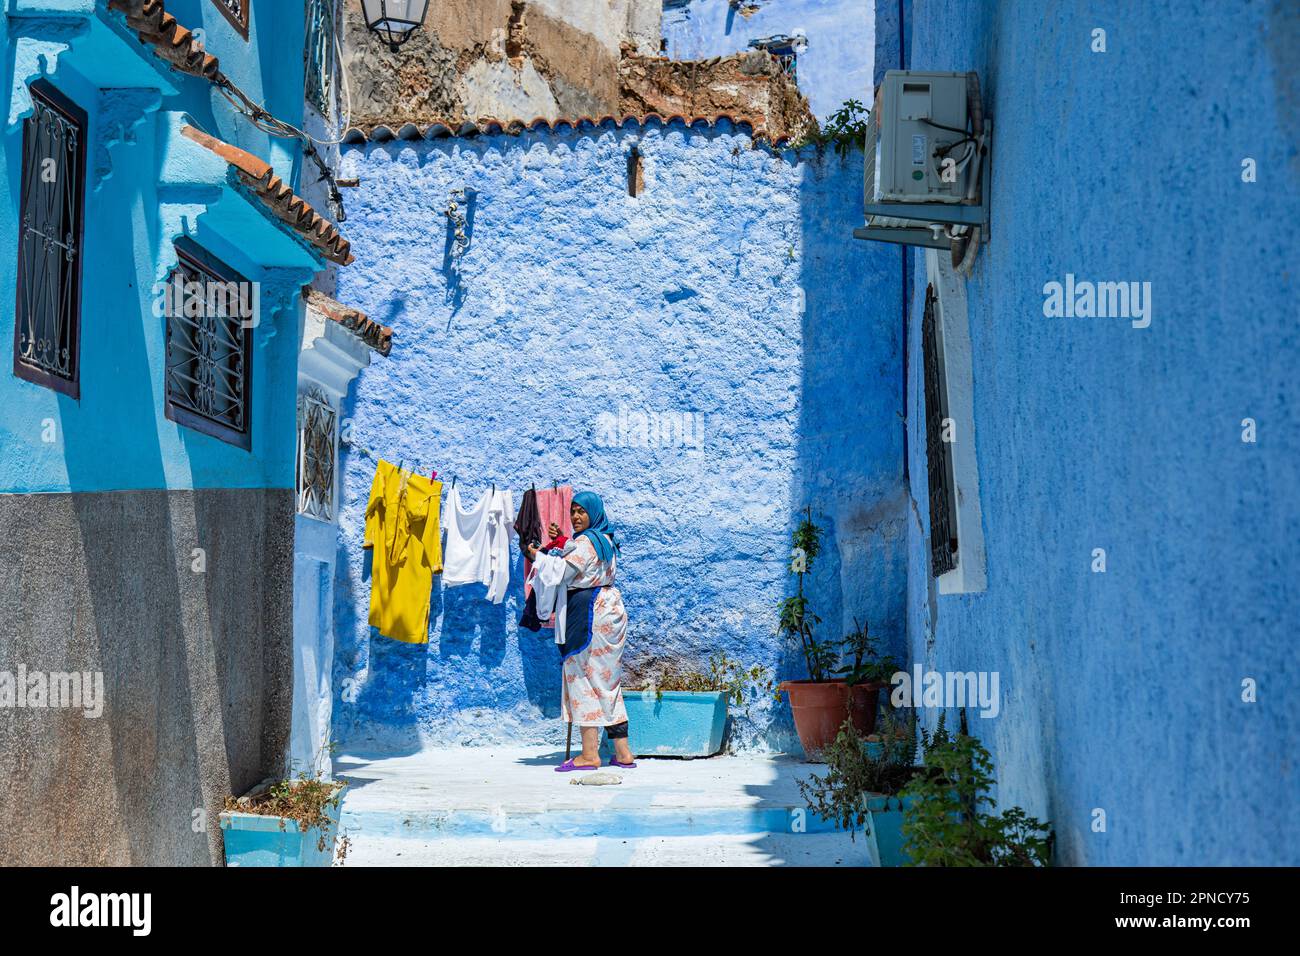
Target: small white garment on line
550 579
478 542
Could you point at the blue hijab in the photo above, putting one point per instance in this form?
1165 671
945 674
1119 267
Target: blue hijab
590 502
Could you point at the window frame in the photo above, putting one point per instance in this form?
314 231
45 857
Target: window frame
206 263
51 97
940 479
957 405
322 98
241 26
309 395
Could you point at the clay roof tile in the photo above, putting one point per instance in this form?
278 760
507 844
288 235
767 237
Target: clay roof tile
275 194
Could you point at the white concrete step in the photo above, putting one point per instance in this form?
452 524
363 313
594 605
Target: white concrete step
507 807
750 849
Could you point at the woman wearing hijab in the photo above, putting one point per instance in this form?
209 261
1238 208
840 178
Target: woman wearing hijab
592 693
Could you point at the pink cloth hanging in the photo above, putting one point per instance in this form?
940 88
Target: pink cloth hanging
552 506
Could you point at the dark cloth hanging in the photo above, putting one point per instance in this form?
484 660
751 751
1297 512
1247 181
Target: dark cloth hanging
528 523
530 619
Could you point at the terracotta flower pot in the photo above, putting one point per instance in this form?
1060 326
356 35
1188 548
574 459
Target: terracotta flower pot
864 700
819 708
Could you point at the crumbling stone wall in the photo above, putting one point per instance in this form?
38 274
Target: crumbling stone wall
750 86
510 59
522 59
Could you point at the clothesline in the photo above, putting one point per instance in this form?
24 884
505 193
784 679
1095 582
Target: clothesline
433 473
406 516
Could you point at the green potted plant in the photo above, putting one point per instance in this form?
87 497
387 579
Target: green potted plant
818 702
865 674
289 822
683 713
945 822
927 815
860 788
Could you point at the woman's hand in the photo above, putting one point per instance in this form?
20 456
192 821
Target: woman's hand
530 552
553 530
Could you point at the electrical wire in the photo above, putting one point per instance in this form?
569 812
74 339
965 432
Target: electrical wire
951 129
264 120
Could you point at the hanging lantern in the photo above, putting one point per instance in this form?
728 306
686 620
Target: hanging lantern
394 20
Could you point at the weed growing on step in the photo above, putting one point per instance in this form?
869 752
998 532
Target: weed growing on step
306 800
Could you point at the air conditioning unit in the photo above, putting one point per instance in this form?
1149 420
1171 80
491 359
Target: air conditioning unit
927 164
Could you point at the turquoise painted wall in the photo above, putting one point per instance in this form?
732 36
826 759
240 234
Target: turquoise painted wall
139 196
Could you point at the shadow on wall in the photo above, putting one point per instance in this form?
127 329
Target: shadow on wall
850 434
375 669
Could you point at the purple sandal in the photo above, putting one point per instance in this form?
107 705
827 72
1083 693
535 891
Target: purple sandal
569 766
613 762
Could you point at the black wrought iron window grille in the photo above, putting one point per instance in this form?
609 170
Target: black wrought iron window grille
938 452
236 11
317 445
209 346
47 316
319 56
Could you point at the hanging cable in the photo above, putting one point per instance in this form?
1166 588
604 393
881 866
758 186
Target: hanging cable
266 121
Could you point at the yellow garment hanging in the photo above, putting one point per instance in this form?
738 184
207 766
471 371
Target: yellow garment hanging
403 534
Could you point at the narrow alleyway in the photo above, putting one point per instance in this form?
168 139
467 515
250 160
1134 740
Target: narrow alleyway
505 807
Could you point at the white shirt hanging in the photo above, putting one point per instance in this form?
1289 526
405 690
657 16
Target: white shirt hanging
550 579
478 542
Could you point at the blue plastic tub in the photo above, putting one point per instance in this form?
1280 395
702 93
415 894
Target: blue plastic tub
886 824
257 840
676 723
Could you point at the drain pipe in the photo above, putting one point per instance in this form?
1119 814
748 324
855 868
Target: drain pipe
907 291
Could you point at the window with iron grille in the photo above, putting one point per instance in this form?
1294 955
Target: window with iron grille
938 452
317 441
319 56
209 346
236 11
47 318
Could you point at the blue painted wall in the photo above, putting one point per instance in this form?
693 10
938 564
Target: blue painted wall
116 436
836 66
1122 691
730 288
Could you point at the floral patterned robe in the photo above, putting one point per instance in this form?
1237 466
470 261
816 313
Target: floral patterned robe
592 695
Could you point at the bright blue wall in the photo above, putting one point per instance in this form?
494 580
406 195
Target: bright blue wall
1121 691
116 436
836 66
575 299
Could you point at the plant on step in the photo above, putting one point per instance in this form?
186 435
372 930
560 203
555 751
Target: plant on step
945 823
306 799
867 666
855 773
796 620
